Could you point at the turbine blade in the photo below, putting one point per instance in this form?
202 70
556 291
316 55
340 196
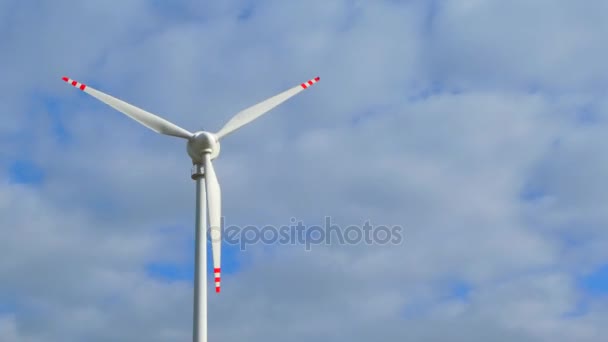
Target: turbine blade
247 115
149 120
214 204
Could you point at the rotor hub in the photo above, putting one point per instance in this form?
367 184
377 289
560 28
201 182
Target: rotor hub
201 143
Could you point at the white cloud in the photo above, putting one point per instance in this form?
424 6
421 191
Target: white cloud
437 122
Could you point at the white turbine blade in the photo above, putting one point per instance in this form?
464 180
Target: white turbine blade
246 116
214 204
149 120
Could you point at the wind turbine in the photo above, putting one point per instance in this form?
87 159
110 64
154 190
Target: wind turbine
202 147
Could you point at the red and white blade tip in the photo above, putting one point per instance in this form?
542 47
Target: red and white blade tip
216 273
74 83
310 82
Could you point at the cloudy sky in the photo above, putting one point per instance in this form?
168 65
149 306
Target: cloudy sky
477 126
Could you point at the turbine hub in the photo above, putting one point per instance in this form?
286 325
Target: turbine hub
201 143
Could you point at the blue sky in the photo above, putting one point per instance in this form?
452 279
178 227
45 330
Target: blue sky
24 171
596 283
478 126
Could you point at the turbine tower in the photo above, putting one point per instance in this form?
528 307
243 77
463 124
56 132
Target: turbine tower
202 147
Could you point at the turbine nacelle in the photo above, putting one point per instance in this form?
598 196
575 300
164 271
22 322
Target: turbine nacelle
200 143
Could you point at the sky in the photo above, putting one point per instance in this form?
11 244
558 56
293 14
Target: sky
477 126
